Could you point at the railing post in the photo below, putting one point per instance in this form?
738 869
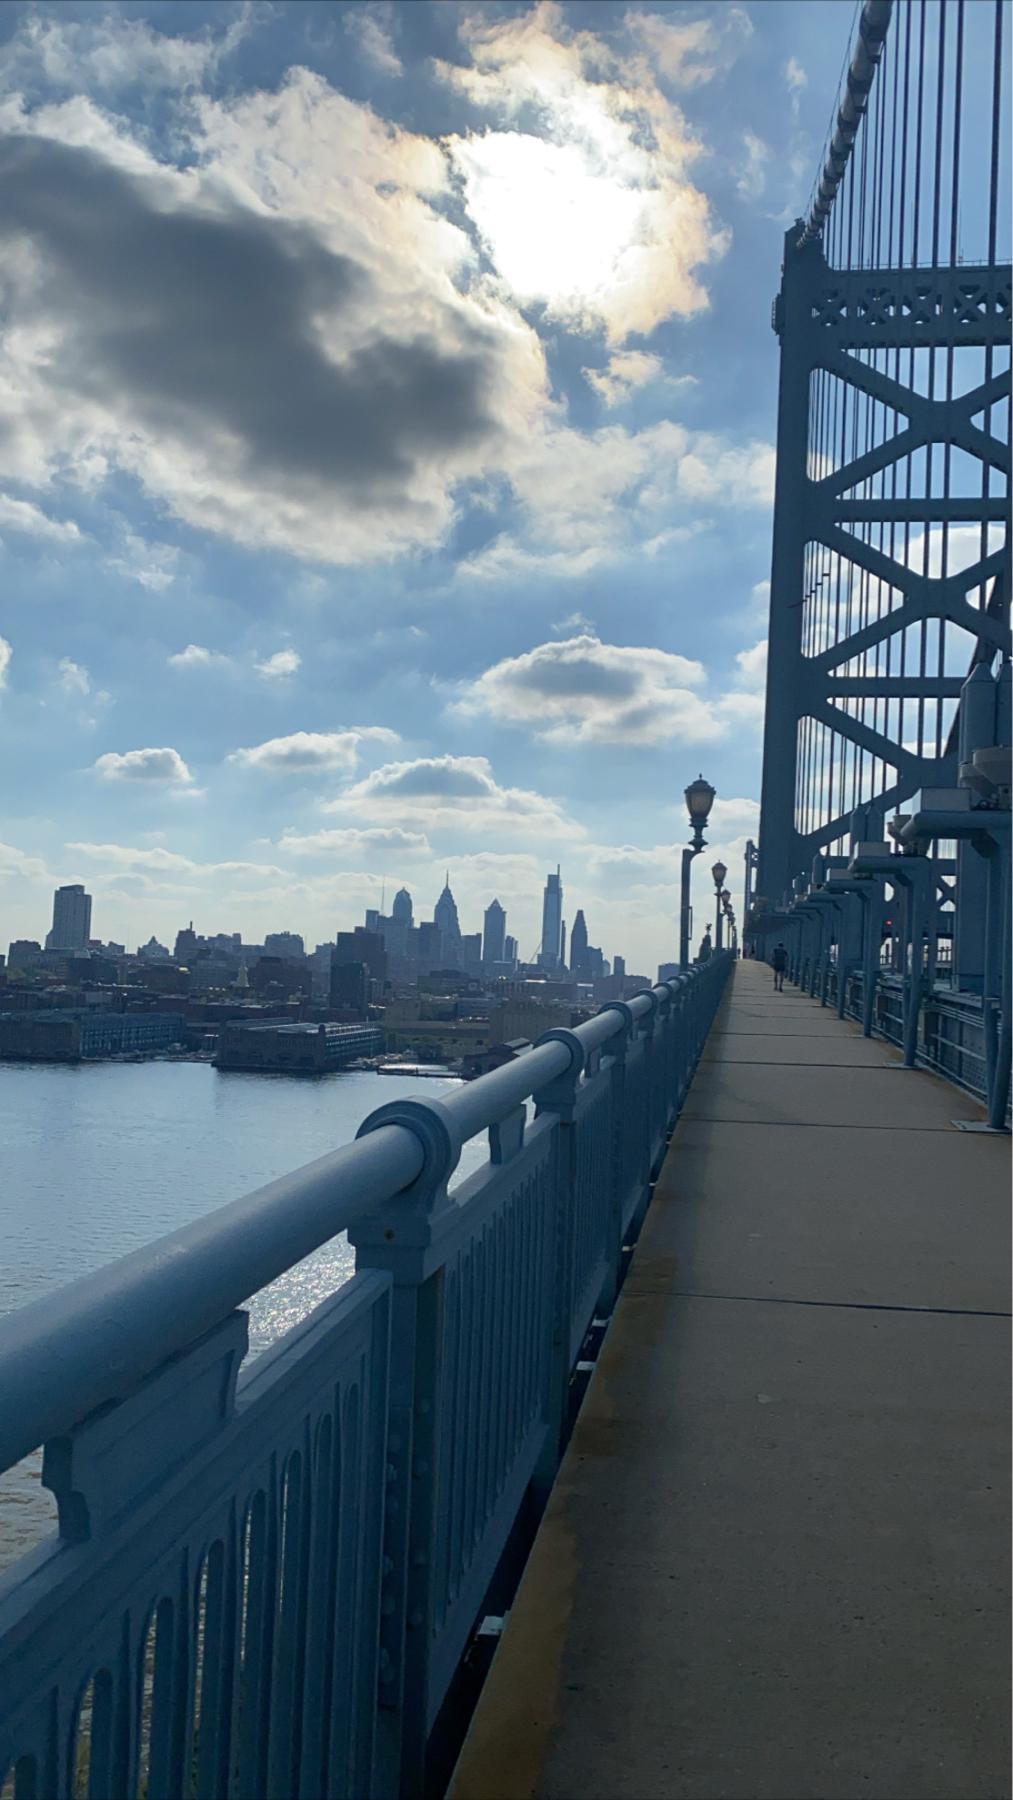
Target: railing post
617 1047
559 1097
397 1238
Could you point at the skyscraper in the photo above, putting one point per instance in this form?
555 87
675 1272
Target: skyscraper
552 921
494 934
578 945
401 911
71 919
449 925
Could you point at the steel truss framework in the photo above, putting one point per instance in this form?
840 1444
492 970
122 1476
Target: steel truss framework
890 572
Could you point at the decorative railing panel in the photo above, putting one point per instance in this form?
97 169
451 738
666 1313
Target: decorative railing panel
264 1582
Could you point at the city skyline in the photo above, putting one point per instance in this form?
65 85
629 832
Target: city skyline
492 946
429 554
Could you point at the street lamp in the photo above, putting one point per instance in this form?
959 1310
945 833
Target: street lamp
718 872
699 800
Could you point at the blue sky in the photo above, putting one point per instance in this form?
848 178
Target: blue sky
387 400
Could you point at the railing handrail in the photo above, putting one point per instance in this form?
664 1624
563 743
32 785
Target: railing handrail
92 1340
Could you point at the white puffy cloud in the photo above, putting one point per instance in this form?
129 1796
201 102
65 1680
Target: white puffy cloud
627 370
74 677
590 497
150 765
351 842
307 750
197 656
456 792
6 652
579 690
278 666
167 863
24 516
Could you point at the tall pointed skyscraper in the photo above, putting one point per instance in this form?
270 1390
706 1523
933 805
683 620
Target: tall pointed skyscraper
578 945
449 925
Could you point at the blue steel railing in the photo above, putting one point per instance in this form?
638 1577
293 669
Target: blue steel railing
265 1580
951 1029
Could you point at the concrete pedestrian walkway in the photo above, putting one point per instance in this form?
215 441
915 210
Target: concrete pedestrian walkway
774 1563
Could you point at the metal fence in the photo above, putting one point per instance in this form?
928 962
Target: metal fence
265 1580
951 1027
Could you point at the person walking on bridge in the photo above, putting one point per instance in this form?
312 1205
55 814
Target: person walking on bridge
779 962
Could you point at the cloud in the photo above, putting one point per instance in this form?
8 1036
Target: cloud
796 81
593 215
153 565
18 863
455 792
24 516
575 621
276 667
714 470
690 52
108 54
581 691
370 26
352 842
197 656
626 370
586 499
74 677
164 766
752 177
308 750
168 863
127 856
6 653
270 340
745 704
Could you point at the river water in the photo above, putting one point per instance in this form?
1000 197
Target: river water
100 1158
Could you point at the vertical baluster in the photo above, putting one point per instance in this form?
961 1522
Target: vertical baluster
322 1602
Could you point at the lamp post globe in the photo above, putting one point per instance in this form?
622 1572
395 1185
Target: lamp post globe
699 800
719 872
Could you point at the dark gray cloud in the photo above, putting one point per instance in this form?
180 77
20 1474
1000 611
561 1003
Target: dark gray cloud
198 324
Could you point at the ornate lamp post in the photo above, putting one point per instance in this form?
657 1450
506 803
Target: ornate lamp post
718 872
699 800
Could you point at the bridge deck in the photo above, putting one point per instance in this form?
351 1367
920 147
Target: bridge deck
772 1563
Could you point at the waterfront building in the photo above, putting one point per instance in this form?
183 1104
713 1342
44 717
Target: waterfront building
510 950
63 1034
295 1048
552 922
71 926
493 934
